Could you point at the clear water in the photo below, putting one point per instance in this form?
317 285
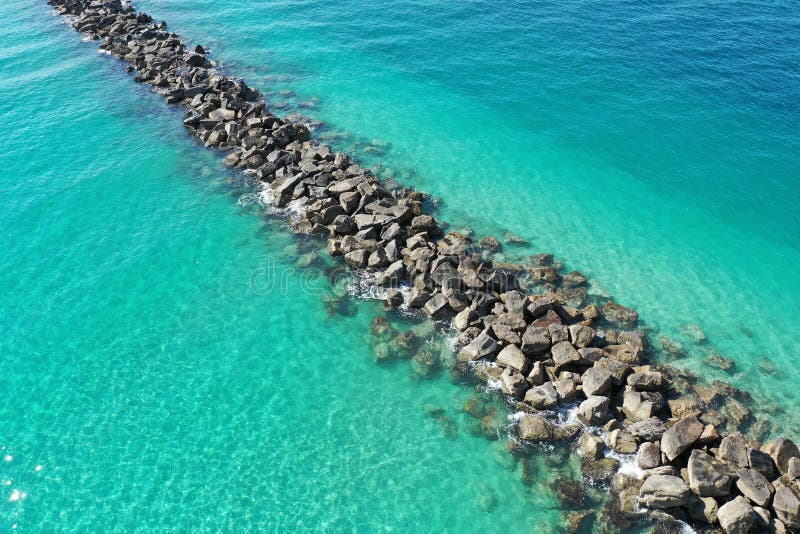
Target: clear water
147 386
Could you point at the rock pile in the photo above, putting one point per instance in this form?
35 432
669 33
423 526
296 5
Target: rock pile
542 350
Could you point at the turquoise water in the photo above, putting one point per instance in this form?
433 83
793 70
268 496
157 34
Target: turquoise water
147 386
653 146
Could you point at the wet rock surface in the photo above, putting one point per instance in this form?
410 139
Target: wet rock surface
529 329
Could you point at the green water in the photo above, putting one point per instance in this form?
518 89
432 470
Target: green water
146 386
654 148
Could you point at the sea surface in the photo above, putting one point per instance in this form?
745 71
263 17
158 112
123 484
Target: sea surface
165 365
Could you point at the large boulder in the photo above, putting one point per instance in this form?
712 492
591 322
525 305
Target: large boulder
646 381
591 446
648 430
761 462
755 486
703 509
535 428
622 441
481 347
786 504
542 397
664 491
512 357
733 451
513 383
782 450
641 405
596 381
708 477
736 516
565 354
581 335
594 410
535 339
649 455
680 437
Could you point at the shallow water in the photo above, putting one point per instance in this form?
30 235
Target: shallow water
653 147
150 386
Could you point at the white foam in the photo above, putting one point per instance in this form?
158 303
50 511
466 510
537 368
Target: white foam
627 464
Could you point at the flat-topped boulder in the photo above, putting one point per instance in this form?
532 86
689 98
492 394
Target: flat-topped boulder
664 491
755 486
680 437
708 477
542 397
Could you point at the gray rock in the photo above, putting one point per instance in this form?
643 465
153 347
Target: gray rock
535 428
418 297
793 469
597 381
755 486
564 354
708 477
641 405
512 357
513 383
463 319
590 355
480 347
625 353
594 411
423 223
436 306
537 376
356 259
591 446
622 441
581 335
763 519
649 455
664 491
680 436
736 516
648 429
567 386
646 381
536 339
786 504
782 450
703 509
761 462
617 369
392 275
733 451
542 397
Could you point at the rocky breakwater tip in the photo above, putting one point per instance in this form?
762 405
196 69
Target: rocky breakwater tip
541 348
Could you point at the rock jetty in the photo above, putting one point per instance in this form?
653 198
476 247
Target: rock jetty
528 329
